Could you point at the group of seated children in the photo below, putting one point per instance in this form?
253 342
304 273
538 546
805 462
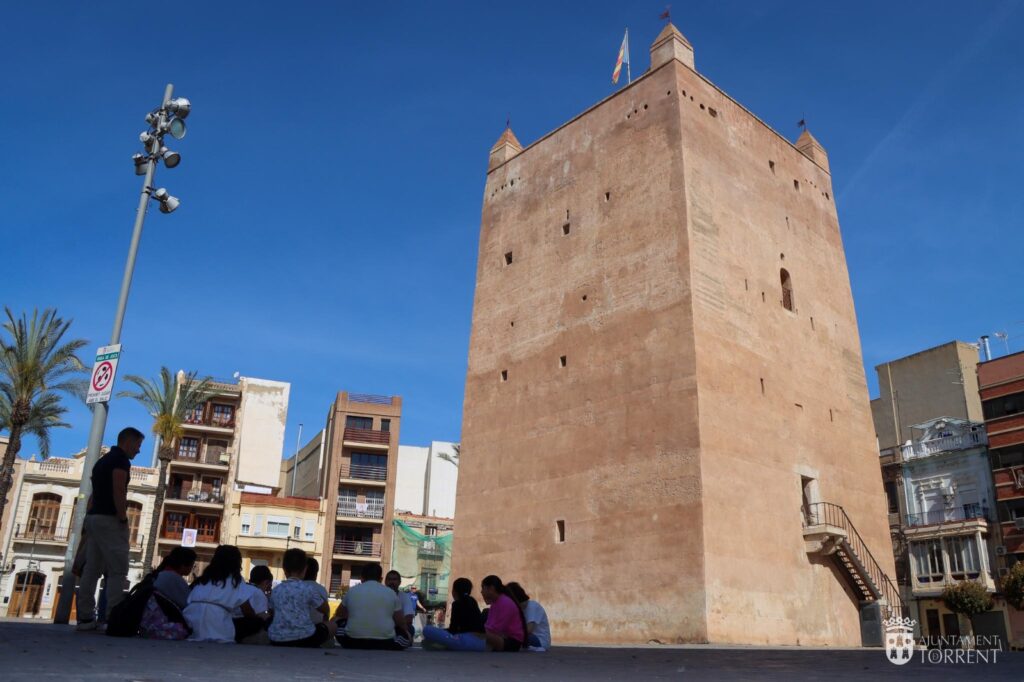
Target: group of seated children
512 621
220 606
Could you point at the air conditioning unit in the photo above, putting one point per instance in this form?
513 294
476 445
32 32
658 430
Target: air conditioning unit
1000 550
1018 522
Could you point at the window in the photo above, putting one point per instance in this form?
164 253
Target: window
43 515
134 511
246 524
188 448
358 422
223 415
963 557
174 523
504 375
375 503
370 460
195 415
1000 407
207 527
385 425
560 531
310 529
297 531
787 289
508 258
562 361
430 531
890 494
278 527
927 557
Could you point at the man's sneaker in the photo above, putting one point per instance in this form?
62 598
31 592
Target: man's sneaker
538 649
87 626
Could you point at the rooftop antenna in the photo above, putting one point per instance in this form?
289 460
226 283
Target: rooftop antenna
1005 338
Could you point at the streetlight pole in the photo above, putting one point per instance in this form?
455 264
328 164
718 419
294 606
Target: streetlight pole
153 143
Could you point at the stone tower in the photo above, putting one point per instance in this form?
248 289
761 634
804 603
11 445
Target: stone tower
665 379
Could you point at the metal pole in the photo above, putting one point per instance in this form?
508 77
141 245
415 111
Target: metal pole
629 76
99 413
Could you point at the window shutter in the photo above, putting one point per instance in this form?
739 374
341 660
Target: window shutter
258 530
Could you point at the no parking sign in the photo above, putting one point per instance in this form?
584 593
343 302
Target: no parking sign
101 384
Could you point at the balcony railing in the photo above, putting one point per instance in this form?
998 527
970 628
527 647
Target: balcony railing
367 436
357 547
965 512
174 533
209 455
369 398
961 441
430 549
363 472
360 510
196 495
38 534
219 421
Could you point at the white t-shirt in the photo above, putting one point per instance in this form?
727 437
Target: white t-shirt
256 598
409 604
209 610
371 610
536 614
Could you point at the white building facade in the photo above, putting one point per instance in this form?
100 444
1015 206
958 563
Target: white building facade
949 505
426 480
35 538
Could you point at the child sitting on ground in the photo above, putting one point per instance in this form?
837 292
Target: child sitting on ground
292 601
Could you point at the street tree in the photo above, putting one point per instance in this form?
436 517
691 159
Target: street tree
168 402
38 365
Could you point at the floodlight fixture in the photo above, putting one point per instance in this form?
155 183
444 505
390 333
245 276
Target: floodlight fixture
176 127
171 158
180 107
169 205
140 164
146 137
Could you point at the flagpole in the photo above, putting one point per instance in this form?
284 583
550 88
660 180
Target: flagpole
629 77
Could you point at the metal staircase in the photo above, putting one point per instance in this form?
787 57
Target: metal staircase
828 531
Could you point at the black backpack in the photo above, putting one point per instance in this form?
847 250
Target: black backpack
125 618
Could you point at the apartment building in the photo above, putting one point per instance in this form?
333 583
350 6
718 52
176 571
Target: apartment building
36 539
352 464
1001 388
231 444
264 527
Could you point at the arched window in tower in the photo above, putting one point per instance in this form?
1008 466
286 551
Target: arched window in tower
787 289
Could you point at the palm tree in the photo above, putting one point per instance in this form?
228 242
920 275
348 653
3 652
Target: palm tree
454 457
36 366
168 402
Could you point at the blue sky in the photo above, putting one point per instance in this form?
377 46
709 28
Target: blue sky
333 171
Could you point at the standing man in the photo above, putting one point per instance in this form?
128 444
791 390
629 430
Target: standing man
106 526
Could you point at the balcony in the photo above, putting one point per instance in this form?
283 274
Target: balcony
370 437
173 535
211 457
360 510
357 548
41 535
935 446
363 472
965 512
198 496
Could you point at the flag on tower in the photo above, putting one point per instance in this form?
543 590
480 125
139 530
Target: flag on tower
623 59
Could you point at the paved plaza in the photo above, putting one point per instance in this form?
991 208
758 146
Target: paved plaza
31 652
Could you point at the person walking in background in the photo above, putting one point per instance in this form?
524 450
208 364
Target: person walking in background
373 614
106 528
538 631
292 601
216 594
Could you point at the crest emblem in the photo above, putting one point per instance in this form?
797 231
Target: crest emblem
899 639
